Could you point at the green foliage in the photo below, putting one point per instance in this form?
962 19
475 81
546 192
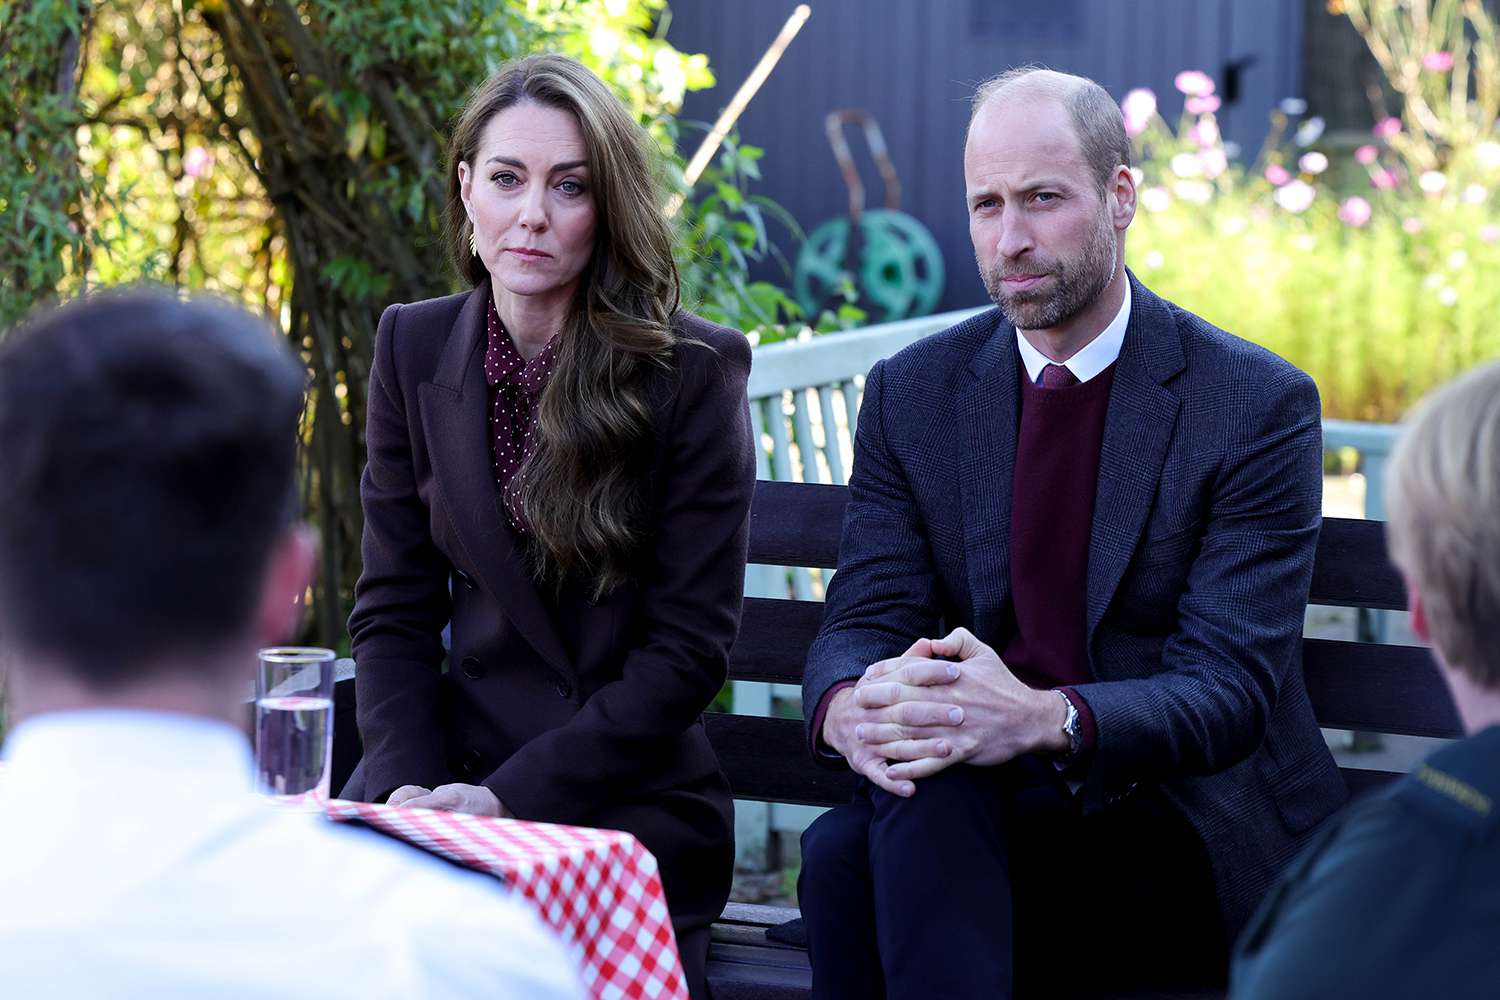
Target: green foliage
289 153
725 230
41 195
1370 271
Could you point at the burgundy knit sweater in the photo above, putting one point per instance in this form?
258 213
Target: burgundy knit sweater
1051 513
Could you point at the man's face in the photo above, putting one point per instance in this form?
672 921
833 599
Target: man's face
1046 239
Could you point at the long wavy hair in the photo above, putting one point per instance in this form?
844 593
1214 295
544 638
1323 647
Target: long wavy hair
584 489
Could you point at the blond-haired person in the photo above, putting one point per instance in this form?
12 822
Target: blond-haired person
560 465
1401 896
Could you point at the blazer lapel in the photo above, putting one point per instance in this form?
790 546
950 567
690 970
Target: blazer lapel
988 418
455 413
1137 430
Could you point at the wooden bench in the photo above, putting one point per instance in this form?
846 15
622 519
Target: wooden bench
1354 685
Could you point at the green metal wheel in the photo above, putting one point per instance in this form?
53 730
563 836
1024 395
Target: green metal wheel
900 268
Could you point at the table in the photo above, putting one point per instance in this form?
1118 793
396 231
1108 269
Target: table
598 889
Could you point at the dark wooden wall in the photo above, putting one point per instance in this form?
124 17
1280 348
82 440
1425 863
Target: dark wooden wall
914 63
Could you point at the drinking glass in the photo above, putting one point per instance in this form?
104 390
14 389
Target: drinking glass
294 724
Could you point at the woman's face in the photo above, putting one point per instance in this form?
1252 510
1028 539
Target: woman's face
528 195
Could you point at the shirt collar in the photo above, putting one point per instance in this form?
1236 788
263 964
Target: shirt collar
503 364
190 755
1095 356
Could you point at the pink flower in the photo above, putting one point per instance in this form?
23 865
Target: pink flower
1438 62
1383 180
1366 155
1204 133
1387 127
1490 233
1194 83
1277 174
1354 212
1412 225
197 162
1138 107
1202 105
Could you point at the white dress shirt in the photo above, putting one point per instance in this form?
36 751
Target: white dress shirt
136 861
1095 356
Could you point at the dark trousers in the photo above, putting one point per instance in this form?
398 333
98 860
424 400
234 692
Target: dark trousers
988 882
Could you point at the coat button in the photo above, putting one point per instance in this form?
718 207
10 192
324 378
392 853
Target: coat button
471 762
564 689
472 668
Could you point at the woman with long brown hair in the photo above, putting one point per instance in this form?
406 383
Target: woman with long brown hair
560 466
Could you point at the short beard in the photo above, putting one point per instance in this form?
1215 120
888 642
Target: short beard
1078 282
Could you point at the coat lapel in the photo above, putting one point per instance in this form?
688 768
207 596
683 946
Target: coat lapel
988 411
1137 430
455 415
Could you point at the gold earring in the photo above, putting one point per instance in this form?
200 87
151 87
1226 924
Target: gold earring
473 247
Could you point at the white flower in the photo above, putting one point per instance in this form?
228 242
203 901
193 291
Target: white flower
1187 165
1432 281
1475 194
1457 259
1292 105
1313 163
1233 225
1195 192
1488 154
1138 176
1309 132
1295 196
1306 242
1448 296
1433 181
1156 199
1214 161
1154 260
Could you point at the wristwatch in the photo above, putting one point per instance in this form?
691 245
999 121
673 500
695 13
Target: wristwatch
1070 727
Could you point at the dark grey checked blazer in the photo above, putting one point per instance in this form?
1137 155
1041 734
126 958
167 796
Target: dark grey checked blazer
1200 560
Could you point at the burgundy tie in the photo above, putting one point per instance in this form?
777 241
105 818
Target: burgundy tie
1057 377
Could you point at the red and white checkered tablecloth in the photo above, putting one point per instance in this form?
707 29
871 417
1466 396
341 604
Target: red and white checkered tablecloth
599 889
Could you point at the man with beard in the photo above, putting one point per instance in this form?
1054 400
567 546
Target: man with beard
1062 649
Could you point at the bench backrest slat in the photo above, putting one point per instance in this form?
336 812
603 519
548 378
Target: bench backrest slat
799 524
1354 685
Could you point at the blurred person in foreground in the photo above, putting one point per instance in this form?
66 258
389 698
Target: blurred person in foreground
1400 896
1113 506
560 470
149 545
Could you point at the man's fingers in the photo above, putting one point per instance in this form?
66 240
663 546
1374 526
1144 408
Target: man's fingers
915 770
910 720
908 750
922 649
882 669
927 673
883 694
960 643
876 770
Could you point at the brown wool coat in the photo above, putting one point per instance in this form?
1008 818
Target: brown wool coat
569 711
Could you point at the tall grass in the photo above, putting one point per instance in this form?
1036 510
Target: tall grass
1378 270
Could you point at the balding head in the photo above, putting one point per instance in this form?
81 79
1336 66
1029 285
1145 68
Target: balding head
1097 121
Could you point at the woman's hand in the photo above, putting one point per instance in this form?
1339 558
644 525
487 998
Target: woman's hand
475 799
405 794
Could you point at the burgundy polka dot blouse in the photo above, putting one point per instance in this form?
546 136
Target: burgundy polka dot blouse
515 387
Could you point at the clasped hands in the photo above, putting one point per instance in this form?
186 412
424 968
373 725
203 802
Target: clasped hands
456 797
914 715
